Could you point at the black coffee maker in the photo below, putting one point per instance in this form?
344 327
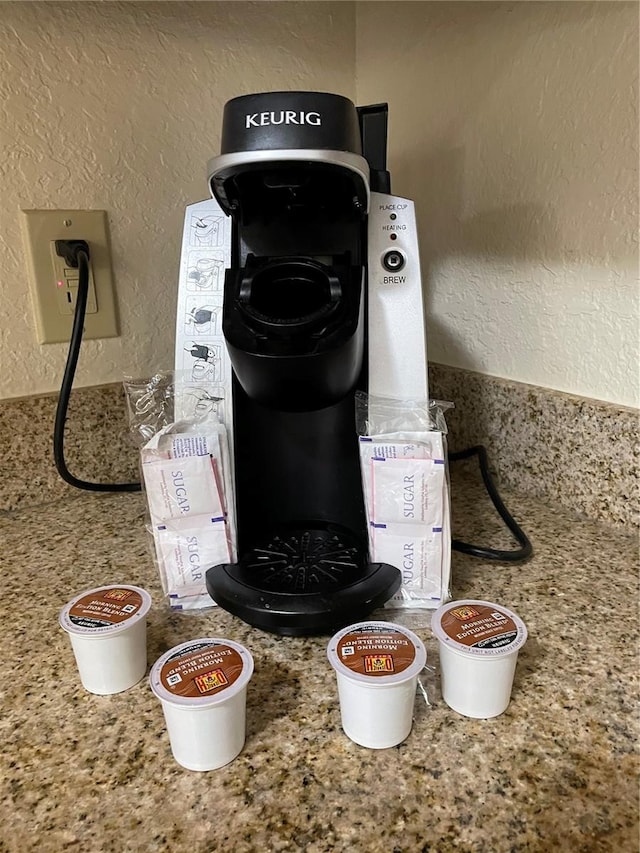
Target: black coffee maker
296 172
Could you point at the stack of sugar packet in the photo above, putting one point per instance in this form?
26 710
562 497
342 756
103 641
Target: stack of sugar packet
407 501
189 495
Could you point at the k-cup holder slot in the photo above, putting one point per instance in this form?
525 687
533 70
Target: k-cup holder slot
290 297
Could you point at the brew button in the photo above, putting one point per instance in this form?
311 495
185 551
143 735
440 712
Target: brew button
393 261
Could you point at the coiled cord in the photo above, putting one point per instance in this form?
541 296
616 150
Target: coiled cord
525 550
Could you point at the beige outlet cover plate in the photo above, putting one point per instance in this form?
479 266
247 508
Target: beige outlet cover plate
53 289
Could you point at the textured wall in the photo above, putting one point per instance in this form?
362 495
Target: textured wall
515 127
117 106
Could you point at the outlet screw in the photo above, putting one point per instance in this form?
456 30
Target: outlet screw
67 223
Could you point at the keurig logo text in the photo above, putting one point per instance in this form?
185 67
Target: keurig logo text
282 117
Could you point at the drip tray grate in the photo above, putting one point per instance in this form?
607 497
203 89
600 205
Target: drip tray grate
304 579
304 561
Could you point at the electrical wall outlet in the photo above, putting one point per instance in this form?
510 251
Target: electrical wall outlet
54 286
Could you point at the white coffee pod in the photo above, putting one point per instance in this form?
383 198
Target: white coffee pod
377 666
479 643
107 627
202 685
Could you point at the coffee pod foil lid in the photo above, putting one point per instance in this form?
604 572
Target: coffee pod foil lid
377 654
201 672
478 628
107 610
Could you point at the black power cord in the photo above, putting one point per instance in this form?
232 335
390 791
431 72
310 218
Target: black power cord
76 255
517 554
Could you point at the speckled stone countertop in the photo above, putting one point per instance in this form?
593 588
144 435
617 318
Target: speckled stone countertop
556 772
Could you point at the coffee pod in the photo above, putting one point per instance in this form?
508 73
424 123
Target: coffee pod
479 643
107 627
202 686
377 666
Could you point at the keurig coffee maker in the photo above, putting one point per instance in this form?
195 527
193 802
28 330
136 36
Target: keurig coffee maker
321 299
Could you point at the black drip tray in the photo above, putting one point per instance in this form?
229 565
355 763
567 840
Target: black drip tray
303 580
305 561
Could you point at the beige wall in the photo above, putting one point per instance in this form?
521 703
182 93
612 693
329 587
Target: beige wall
513 125
117 106
515 128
